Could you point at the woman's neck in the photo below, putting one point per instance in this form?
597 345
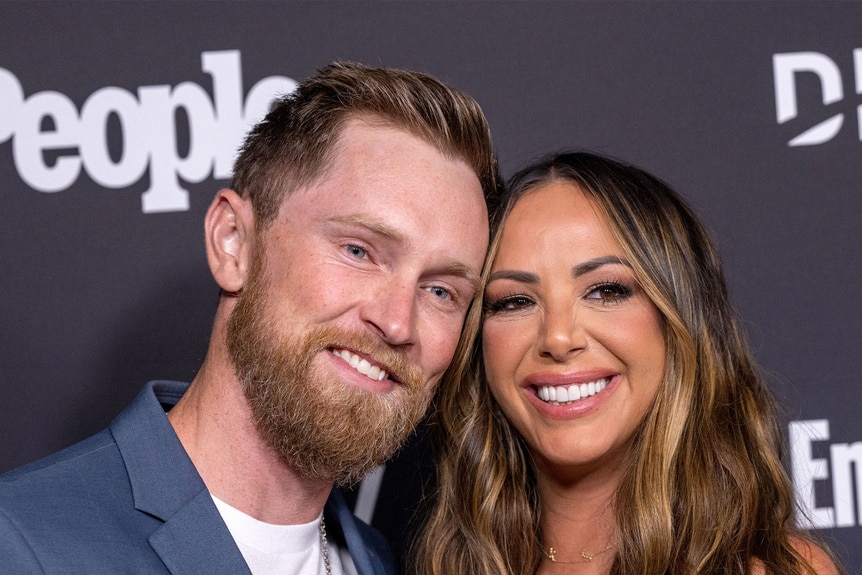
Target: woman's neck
577 521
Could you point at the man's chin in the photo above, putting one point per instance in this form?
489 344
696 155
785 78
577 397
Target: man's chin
329 431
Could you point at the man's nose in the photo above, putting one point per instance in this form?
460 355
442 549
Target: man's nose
392 312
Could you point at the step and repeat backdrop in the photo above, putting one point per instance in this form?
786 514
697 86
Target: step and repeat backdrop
119 122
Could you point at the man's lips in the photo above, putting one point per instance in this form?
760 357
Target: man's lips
361 364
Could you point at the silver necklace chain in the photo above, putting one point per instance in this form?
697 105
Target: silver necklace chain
324 546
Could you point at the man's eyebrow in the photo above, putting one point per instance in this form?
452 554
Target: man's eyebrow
455 268
595 263
375 227
452 268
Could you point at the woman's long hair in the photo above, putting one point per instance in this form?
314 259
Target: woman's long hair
705 492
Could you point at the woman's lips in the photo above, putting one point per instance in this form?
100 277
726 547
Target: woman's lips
568 394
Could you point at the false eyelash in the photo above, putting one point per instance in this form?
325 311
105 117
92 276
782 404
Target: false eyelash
498 304
622 289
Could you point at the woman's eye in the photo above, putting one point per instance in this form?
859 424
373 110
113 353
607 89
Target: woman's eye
356 251
511 303
609 292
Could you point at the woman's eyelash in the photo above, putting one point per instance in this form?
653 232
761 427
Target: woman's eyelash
609 292
507 303
606 292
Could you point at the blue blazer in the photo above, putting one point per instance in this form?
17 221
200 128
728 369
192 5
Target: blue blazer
129 500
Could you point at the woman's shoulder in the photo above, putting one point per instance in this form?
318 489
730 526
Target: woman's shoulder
819 559
816 556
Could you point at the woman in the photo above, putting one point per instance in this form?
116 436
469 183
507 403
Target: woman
610 419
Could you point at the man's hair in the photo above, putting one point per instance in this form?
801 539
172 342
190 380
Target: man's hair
294 143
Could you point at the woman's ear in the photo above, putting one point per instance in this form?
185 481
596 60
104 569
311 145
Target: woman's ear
229 229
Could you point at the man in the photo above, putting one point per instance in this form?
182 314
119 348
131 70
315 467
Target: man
348 253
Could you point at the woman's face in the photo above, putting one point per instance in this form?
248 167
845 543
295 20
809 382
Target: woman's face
574 350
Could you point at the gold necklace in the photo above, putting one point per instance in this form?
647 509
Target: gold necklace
585 557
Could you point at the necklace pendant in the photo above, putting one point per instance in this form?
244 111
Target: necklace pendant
551 555
586 557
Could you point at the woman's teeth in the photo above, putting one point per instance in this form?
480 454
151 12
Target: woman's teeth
566 394
361 365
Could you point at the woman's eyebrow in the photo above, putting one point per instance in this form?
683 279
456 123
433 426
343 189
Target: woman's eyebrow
579 270
595 263
523 277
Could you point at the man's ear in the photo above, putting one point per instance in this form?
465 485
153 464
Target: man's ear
229 228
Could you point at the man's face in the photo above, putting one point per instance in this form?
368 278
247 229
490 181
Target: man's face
355 301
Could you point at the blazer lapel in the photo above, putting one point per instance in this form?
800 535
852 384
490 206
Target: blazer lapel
366 561
166 485
195 540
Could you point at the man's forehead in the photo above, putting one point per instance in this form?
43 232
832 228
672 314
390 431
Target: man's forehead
361 125
354 136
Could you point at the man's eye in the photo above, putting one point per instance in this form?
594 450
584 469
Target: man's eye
442 293
356 251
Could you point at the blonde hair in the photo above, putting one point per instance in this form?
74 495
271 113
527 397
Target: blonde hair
293 145
705 491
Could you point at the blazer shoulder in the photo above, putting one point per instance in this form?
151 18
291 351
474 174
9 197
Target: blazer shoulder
79 458
80 481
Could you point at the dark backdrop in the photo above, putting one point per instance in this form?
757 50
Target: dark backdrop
751 109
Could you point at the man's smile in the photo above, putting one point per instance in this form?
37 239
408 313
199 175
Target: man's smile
361 365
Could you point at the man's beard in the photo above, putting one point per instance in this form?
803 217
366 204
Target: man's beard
323 428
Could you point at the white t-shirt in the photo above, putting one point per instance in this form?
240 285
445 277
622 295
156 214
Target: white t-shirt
279 549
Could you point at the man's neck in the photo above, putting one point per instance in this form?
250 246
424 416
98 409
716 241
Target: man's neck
214 424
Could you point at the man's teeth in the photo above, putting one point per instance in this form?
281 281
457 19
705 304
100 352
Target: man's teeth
564 394
361 365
